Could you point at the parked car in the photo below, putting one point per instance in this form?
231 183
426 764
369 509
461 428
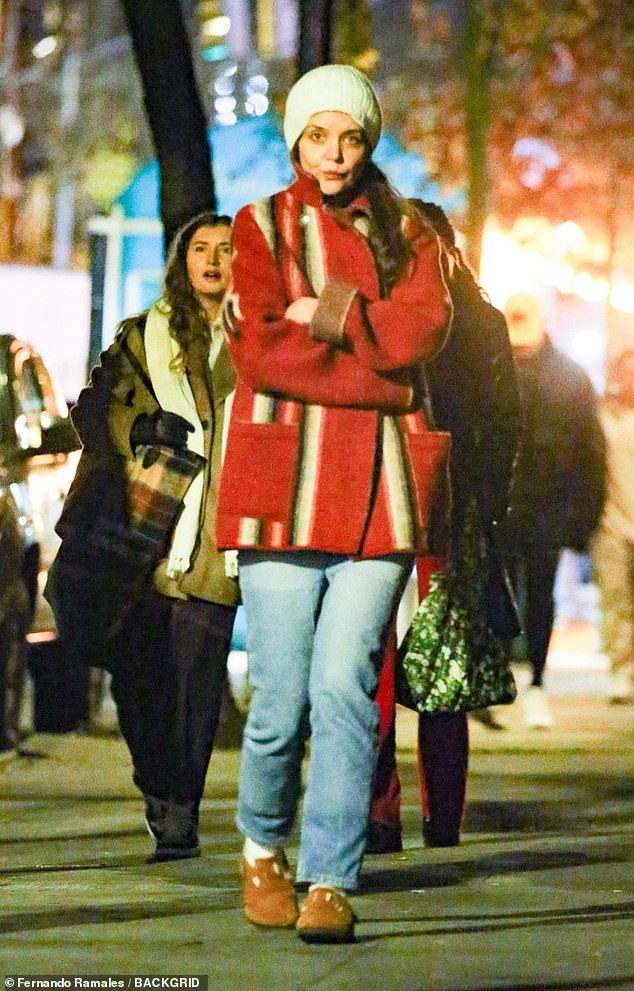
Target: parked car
38 457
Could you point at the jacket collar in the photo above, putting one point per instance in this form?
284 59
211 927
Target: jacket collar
306 190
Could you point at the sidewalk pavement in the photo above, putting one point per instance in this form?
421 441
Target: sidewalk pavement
538 897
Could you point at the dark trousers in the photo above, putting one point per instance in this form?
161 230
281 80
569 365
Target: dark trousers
533 568
169 664
443 753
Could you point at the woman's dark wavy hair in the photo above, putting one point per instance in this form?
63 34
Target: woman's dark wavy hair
187 318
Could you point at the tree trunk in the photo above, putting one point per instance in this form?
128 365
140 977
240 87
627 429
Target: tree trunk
315 34
175 113
477 74
64 170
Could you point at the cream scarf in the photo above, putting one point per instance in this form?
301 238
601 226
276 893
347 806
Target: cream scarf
174 394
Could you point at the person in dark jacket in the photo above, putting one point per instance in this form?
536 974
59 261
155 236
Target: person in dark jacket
559 484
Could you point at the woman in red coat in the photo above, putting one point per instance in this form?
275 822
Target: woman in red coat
337 300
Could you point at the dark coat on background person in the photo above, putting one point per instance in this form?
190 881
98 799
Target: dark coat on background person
474 395
559 487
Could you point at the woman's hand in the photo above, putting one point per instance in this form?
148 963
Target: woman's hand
162 428
302 310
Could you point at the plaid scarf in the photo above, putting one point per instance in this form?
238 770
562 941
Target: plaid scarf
173 392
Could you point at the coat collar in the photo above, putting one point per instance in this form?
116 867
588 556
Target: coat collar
306 190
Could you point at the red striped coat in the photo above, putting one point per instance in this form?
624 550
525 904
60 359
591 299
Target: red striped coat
327 447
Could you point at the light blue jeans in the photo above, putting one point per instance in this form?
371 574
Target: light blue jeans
316 627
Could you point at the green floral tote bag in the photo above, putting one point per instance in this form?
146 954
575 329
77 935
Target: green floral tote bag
450 660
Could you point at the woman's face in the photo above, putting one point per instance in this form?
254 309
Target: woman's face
332 148
208 261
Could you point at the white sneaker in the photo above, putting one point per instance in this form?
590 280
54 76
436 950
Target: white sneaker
536 708
621 687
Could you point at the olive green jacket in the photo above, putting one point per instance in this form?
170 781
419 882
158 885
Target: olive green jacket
129 398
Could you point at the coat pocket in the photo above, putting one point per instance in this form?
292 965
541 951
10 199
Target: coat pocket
429 454
258 473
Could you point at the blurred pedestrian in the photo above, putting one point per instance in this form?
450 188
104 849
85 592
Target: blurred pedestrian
164 381
338 299
559 483
613 545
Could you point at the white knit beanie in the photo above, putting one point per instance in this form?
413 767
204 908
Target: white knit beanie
332 87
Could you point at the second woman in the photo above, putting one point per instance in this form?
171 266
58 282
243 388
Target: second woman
164 381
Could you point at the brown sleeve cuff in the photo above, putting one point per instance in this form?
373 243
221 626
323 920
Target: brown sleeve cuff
329 318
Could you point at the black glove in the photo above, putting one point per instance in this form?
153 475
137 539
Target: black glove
160 428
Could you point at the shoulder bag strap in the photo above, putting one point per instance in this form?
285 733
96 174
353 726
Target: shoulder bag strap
427 403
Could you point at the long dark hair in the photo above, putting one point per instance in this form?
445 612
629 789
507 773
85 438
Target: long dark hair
187 318
390 247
